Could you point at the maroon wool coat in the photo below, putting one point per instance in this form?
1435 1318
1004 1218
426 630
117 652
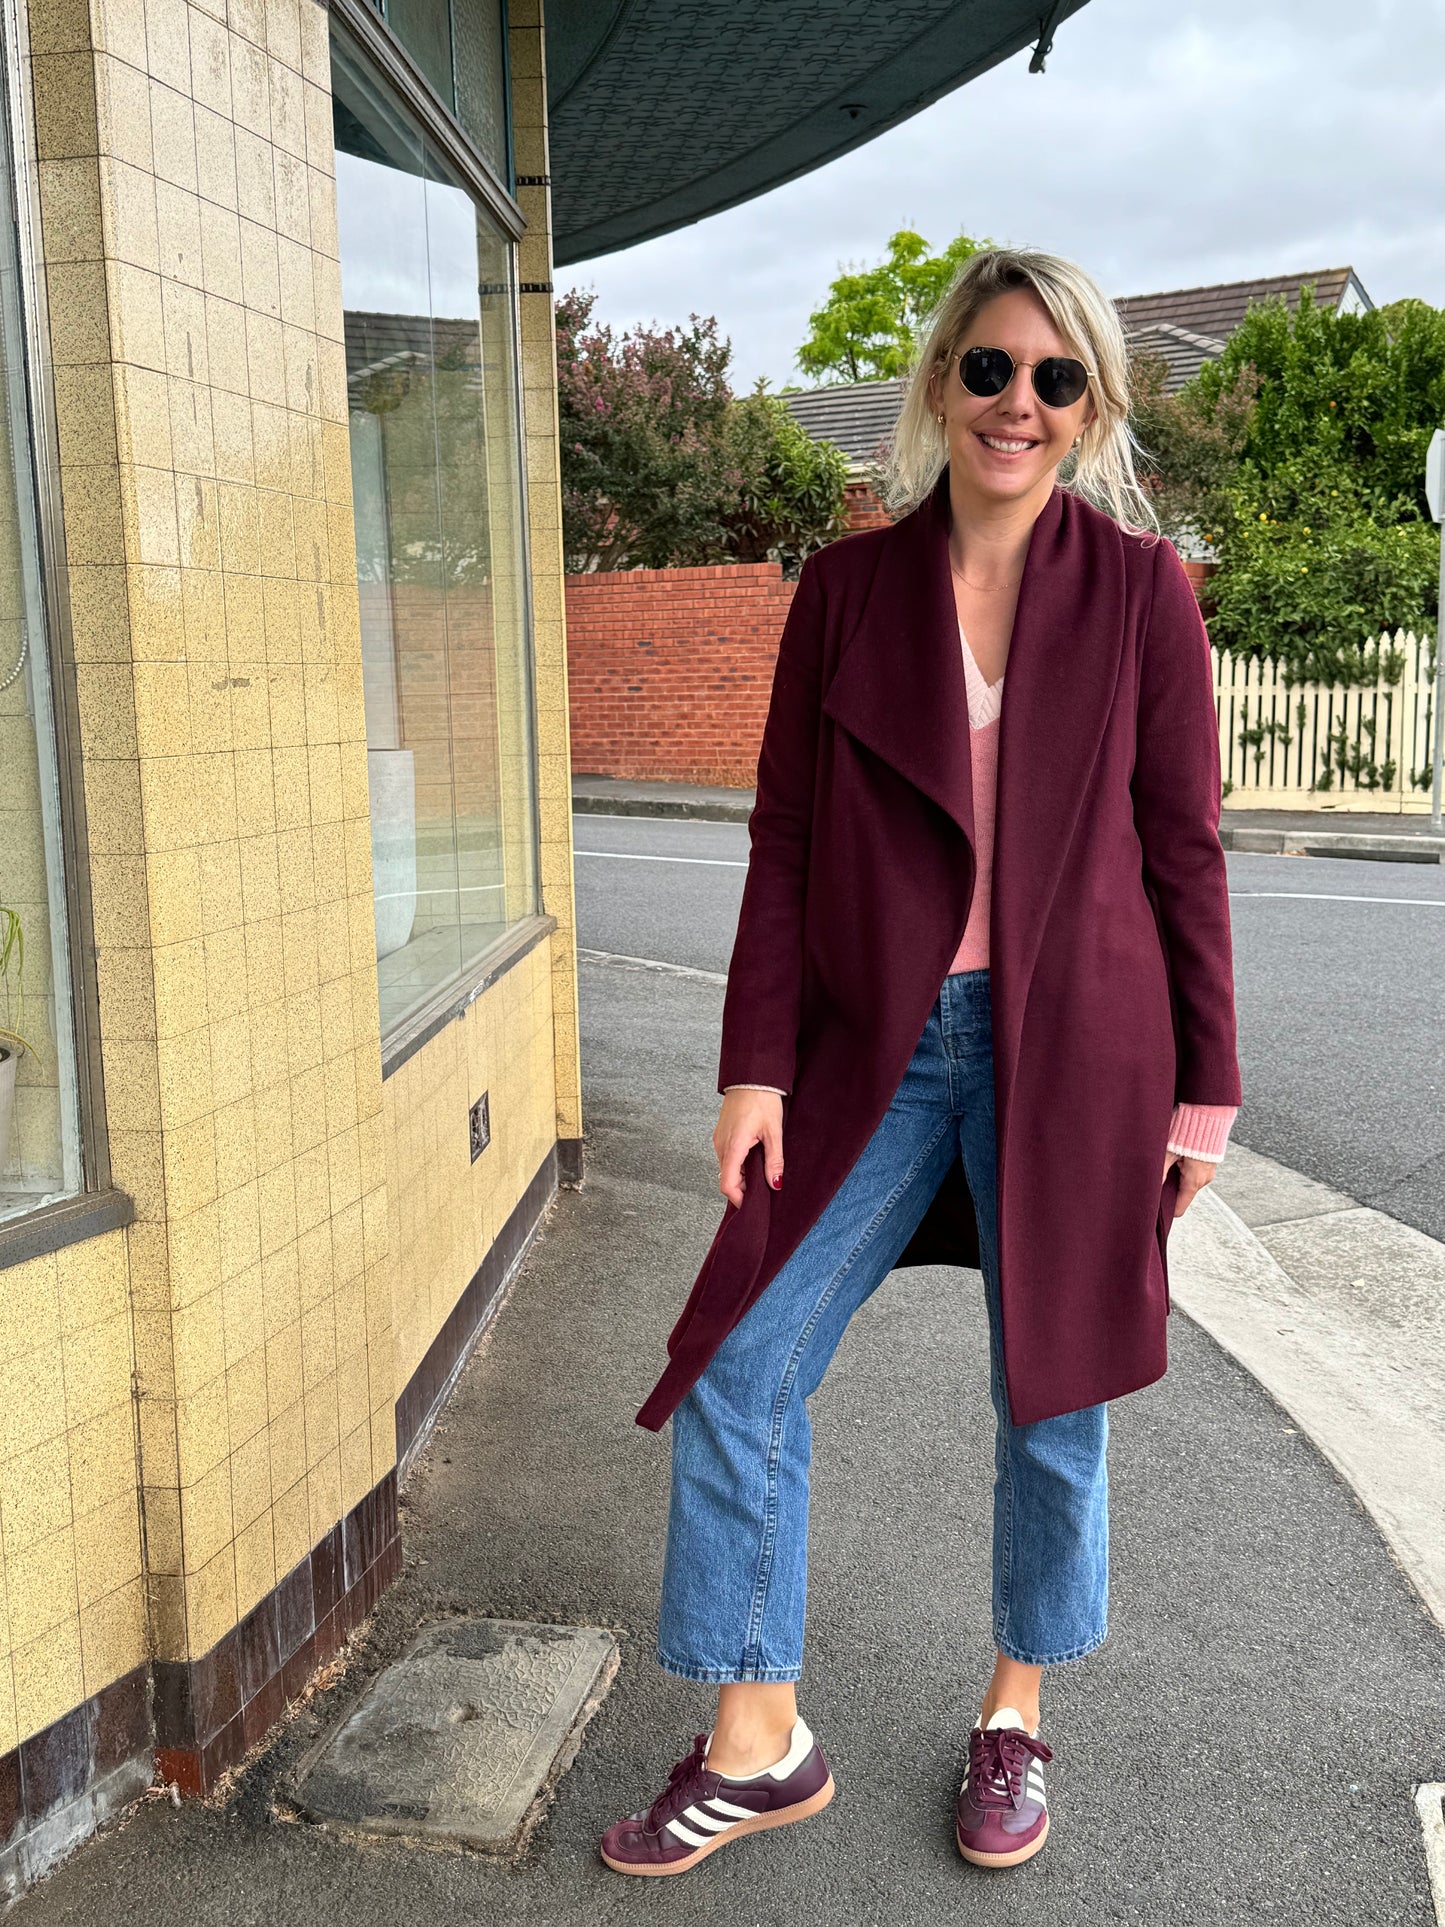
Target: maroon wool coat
1110 951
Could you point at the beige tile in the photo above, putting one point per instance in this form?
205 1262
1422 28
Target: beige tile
221 252
63 94
255 181
128 202
222 905
288 108
107 1545
292 181
210 64
166 1611
48 1677
211 1602
301 353
178 230
113 1636
265 360
123 112
206 1524
271 440
168 52
250 97
283 32
98 1370
215 158
198 528
286 1437
85 414
323 1493
203 600
291 1526
70 210
320 152
230 380
255 1564
248 18
142 416
173 137
201 1432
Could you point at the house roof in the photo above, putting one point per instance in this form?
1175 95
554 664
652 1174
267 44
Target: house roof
1183 351
662 112
1218 310
857 415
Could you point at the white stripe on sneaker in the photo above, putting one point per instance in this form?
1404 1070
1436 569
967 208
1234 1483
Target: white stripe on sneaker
687 1834
719 1805
699 1816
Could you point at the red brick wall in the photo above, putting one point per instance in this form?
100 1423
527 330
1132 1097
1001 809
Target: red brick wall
669 670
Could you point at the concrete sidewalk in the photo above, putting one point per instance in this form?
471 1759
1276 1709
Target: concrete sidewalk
1245 1745
1377 836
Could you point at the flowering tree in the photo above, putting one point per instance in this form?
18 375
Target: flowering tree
662 468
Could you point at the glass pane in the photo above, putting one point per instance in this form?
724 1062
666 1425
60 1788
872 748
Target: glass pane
40 1156
424 28
481 85
435 452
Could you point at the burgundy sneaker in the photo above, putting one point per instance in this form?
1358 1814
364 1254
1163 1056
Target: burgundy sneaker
699 1810
1001 1817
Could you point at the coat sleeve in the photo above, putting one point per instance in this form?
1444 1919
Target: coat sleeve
763 1001
1176 789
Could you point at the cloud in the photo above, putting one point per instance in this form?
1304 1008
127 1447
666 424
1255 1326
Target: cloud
1163 147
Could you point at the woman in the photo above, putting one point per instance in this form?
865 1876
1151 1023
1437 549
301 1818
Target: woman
979 1011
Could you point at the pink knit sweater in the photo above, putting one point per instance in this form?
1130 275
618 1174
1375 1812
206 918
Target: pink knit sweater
1195 1130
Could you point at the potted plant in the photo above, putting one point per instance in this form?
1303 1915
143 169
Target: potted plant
12 1042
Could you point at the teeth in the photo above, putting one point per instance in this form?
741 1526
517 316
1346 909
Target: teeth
1009 448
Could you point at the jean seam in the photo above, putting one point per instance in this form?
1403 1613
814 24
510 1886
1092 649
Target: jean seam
753 1648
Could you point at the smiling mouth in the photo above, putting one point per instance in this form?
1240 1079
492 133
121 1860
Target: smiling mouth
1006 444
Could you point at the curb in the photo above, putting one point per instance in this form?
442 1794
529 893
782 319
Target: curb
1379 846
1332 1307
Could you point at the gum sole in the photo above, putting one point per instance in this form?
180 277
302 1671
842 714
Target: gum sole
758 1824
1015 1859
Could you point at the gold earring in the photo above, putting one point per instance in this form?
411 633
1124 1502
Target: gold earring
940 421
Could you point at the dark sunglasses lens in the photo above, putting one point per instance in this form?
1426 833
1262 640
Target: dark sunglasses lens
1060 381
985 371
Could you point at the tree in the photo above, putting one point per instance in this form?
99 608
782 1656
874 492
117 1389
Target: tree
866 329
1318 516
1190 446
643 461
663 468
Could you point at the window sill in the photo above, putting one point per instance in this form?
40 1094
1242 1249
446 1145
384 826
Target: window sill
418 1030
70 1222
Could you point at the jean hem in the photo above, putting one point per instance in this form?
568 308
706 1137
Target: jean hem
728 1675
1049 1659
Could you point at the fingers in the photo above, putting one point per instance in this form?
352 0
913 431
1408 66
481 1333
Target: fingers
1194 1174
747 1118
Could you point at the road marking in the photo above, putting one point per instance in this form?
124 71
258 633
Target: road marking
1323 896
1430 1805
651 963
633 856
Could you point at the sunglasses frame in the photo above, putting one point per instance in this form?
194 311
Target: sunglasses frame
1033 368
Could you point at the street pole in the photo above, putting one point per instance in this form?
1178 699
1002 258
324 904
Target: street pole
1435 495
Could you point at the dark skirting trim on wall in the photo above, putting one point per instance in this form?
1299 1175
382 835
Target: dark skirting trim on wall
570 1169
210 1711
426 1390
58 1786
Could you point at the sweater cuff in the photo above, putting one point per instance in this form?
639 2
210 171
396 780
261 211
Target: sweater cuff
754 1087
1201 1130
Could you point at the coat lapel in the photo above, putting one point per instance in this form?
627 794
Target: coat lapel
900 689
899 686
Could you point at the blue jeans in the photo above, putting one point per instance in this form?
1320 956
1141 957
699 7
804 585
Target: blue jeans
735 1574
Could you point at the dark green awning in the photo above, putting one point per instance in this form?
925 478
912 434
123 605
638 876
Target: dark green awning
665 111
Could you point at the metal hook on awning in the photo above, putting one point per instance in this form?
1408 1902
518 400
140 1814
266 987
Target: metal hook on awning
1045 44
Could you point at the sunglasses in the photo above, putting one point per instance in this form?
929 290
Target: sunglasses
1059 381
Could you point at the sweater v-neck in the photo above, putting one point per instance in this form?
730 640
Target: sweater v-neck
985 699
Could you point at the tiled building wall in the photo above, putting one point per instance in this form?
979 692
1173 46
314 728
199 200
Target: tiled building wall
671 669
190 245
526 54
446 1210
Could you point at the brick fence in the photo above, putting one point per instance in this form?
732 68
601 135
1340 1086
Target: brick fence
669 670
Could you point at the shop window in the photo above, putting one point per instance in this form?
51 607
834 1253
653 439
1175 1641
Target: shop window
40 1140
428 287
459 45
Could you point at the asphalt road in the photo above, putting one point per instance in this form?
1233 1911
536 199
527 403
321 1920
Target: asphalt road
1244 1745
1340 981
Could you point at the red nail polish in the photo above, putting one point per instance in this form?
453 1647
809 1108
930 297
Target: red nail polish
778 1183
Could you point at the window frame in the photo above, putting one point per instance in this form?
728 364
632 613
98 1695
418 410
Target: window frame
372 41
98 1206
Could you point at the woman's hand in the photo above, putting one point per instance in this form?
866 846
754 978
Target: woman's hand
748 1118
1194 1174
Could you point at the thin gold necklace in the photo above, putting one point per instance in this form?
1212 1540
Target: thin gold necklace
983 588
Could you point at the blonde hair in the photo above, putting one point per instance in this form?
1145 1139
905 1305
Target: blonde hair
1087 320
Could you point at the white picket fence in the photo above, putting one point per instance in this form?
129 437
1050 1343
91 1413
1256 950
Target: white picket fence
1329 747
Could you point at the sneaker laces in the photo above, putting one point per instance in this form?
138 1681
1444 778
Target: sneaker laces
683 1784
997 1761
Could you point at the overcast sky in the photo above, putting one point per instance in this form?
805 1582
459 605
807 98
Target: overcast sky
1165 146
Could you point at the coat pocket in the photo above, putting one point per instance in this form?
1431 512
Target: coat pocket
1168 1198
